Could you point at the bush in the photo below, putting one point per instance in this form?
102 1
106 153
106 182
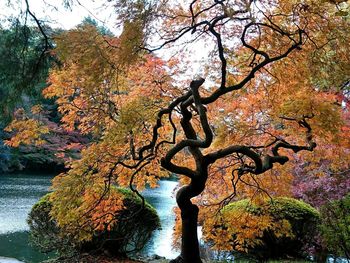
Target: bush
44 232
272 229
130 234
335 226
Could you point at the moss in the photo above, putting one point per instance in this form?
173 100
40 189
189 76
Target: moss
43 201
301 216
291 208
284 207
287 206
130 196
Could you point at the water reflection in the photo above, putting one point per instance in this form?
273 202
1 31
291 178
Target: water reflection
163 200
18 193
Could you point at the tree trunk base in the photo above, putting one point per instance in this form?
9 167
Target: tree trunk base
180 259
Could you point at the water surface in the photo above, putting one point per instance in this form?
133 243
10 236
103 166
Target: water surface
163 200
18 193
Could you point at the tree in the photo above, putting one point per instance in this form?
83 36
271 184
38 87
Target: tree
335 226
39 140
24 68
19 50
94 84
218 137
324 177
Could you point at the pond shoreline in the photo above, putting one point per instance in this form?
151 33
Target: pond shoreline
19 192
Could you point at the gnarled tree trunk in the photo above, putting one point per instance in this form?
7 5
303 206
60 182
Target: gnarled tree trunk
189 245
189 217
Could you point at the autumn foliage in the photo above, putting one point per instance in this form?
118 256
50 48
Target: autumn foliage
269 116
273 228
123 231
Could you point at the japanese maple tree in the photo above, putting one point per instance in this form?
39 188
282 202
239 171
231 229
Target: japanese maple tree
263 102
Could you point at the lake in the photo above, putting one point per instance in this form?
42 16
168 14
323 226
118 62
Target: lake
19 192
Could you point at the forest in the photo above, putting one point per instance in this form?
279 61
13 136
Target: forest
245 104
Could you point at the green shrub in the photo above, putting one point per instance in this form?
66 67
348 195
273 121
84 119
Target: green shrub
135 226
335 226
277 228
44 232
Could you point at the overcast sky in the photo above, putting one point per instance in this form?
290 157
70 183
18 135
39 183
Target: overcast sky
53 12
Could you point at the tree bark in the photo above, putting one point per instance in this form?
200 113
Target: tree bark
189 217
189 239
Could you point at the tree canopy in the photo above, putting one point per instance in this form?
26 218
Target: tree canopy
23 67
272 102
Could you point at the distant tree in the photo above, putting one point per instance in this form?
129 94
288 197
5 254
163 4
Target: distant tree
335 228
24 67
101 29
38 141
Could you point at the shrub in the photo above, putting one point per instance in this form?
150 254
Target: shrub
274 228
44 232
335 226
132 230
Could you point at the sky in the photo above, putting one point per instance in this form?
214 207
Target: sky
53 12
